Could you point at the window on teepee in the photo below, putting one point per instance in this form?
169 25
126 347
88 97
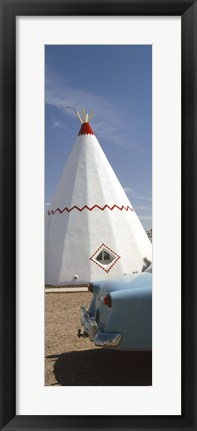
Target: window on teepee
104 257
100 256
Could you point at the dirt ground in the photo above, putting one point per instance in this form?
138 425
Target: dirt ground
70 360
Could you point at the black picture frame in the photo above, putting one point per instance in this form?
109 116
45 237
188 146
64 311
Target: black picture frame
187 9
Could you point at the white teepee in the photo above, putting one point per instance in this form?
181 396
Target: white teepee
92 231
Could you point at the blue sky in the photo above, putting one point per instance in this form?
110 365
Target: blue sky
115 81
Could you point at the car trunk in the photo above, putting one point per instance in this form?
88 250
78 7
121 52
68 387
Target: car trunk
103 311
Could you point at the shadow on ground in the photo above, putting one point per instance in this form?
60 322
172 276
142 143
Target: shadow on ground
103 367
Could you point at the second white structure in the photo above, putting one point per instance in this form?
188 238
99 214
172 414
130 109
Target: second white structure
92 231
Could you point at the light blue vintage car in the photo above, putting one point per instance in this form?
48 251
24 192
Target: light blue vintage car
120 314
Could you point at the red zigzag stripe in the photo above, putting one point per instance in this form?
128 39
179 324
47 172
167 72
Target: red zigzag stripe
90 208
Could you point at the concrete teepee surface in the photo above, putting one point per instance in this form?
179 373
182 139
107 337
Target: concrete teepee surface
92 231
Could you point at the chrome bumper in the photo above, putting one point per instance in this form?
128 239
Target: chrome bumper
91 328
107 340
89 323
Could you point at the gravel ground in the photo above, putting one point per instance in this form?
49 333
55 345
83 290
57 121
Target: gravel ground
71 360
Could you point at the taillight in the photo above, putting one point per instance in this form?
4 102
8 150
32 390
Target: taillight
90 287
107 300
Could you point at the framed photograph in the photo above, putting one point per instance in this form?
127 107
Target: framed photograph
134 63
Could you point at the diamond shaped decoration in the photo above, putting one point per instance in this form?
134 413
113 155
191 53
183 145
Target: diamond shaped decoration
104 257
